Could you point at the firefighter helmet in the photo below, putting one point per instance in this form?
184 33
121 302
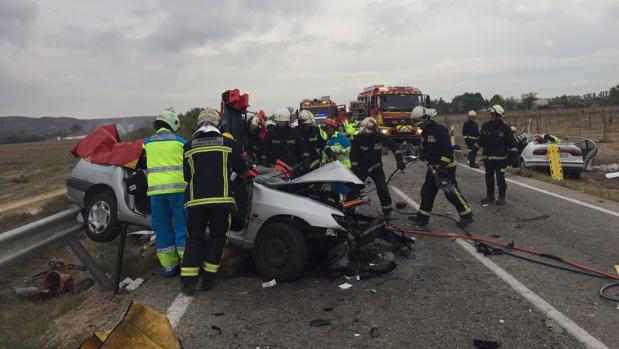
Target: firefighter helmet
330 123
306 117
282 116
497 110
209 116
472 113
169 118
420 116
228 135
255 121
369 125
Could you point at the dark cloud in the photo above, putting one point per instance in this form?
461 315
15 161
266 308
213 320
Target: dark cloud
16 18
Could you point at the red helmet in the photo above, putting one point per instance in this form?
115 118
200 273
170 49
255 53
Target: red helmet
330 122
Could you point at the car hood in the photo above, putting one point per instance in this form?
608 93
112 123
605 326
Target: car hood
329 173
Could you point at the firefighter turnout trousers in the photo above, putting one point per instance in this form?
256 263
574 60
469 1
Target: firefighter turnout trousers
470 145
430 189
378 177
495 168
201 253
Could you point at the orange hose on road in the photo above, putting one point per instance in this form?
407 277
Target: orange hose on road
504 245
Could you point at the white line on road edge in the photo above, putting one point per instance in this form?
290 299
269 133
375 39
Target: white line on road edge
178 308
551 312
613 213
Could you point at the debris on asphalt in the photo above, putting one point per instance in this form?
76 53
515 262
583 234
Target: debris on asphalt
495 236
484 205
129 284
371 290
216 329
617 268
328 309
400 205
536 218
242 293
345 286
501 321
612 175
375 332
352 278
26 291
269 283
319 323
484 344
219 314
357 334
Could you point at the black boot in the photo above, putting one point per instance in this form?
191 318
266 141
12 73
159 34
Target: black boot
208 281
419 219
465 221
188 288
489 199
501 200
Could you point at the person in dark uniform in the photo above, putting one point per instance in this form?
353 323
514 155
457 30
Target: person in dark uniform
284 142
366 161
437 151
470 132
314 143
209 159
500 151
255 137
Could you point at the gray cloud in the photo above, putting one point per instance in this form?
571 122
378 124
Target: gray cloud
16 18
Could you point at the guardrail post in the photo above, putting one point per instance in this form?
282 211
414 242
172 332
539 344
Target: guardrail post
89 263
119 257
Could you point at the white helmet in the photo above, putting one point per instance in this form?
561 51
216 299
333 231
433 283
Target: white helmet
282 116
422 115
209 116
369 125
254 121
497 110
306 117
169 118
472 113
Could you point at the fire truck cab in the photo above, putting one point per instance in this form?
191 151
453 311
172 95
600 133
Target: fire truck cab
324 108
391 107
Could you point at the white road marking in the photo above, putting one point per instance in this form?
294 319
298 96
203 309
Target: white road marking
551 312
178 308
578 202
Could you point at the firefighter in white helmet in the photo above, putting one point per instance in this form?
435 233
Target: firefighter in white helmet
500 150
285 143
470 132
437 151
314 143
366 161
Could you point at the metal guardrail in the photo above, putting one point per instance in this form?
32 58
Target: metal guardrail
33 236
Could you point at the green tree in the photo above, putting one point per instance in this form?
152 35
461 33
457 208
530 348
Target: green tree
497 99
188 122
511 103
442 106
528 99
613 95
467 101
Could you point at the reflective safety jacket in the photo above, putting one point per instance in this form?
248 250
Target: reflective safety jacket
366 151
208 162
285 144
314 143
351 128
470 131
436 147
340 145
497 140
164 163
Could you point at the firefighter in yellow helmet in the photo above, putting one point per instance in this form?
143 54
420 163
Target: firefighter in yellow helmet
210 157
166 189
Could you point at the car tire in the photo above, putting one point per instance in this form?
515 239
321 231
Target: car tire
100 218
280 252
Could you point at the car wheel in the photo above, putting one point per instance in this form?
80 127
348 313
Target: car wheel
280 252
100 219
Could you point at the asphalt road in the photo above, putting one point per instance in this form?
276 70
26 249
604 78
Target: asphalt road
443 297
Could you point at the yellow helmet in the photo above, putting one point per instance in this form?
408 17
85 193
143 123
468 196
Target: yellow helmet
228 135
210 116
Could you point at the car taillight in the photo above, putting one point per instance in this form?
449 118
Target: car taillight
540 151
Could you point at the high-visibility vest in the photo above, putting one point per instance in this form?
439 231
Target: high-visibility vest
339 143
351 128
164 162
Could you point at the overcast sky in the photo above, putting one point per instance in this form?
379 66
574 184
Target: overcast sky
91 58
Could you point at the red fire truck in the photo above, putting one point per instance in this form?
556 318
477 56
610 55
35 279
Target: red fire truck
391 107
324 108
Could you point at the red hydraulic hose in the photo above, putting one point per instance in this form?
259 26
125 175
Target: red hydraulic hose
504 245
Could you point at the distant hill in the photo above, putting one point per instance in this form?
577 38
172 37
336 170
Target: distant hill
16 129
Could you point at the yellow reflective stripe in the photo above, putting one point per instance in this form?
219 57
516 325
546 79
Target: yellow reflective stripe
470 137
225 173
206 201
452 164
156 188
513 149
373 167
445 159
425 213
467 211
165 169
208 149
210 268
191 166
466 206
497 157
187 271
315 162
